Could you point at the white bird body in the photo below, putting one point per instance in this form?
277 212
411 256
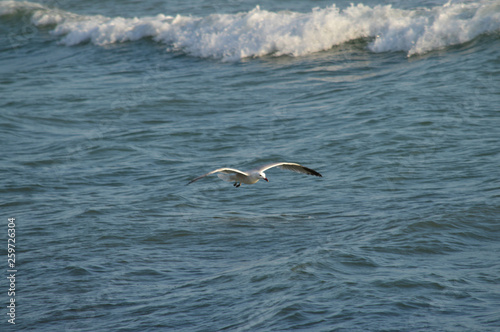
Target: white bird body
254 175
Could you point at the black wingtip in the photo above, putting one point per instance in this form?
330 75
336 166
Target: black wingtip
312 172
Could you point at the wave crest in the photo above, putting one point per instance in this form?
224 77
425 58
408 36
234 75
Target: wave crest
260 32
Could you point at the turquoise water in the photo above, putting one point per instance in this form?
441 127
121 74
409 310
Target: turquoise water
106 118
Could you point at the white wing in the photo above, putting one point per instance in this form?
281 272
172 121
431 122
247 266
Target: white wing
222 170
291 167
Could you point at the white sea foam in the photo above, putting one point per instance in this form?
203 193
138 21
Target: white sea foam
259 32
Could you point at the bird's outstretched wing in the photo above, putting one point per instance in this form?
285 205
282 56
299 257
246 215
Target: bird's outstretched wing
291 167
222 170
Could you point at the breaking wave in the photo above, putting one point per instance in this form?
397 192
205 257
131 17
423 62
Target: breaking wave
259 32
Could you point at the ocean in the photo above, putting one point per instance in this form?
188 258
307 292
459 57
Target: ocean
109 108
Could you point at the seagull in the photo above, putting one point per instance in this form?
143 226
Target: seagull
254 175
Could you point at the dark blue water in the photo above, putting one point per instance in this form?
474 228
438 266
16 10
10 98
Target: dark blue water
105 118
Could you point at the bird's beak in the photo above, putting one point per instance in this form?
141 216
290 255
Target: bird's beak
266 179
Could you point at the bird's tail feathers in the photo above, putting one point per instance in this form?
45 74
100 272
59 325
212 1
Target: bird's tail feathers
225 177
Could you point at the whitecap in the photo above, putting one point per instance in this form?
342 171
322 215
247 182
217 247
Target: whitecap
259 32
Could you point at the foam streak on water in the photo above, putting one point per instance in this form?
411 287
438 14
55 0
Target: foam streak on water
259 32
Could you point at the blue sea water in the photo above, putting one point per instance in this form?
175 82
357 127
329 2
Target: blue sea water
108 109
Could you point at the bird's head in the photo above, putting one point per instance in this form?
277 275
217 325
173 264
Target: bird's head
262 175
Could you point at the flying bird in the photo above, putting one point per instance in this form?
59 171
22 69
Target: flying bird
254 175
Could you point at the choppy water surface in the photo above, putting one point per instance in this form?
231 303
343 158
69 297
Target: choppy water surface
107 111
